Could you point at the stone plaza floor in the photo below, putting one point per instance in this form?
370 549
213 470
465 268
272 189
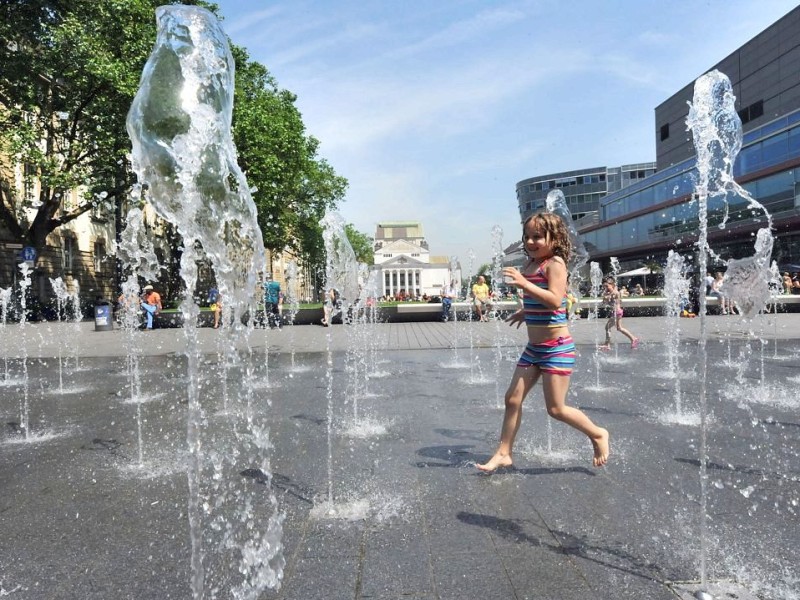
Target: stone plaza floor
412 407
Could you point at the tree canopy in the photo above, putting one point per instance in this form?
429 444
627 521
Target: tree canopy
362 244
70 72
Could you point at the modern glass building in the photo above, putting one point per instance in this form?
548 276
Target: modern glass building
583 189
642 222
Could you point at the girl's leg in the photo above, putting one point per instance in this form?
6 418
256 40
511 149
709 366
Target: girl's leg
555 397
522 381
624 331
609 325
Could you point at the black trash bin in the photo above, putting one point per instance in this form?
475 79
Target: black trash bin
103 316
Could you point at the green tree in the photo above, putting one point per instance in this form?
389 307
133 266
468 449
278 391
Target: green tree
70 71
362 244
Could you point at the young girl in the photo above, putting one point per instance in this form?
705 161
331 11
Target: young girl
550 353
611 298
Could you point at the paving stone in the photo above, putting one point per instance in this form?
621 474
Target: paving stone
82 519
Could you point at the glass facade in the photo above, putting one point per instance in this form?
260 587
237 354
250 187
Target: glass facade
583 189
773 144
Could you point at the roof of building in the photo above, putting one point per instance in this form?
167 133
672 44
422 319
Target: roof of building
393 230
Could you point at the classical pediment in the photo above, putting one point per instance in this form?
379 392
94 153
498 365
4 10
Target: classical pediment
403 261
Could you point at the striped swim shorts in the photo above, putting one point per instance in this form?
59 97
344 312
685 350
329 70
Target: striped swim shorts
553 356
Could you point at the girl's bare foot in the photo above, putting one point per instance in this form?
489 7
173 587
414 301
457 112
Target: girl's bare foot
496 462
601 450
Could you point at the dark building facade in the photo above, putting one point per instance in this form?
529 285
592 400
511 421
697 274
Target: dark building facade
583 189
642 222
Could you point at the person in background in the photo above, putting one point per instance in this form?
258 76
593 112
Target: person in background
216 306
481 298
709 283
333 305
787 283
448 293
726 307
151 304
613 300
272 299
638 290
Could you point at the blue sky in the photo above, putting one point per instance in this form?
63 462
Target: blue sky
434 110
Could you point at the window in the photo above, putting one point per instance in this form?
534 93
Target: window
664 131
755 110
68 253
99 256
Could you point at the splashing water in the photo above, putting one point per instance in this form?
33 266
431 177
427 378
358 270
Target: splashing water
596 278
5 298
341 274
557 204
180 128
676 293
60 289
24 406
497 276
717 134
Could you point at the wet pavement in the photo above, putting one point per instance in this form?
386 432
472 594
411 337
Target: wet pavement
411 412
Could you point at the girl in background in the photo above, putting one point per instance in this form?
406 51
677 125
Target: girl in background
612 299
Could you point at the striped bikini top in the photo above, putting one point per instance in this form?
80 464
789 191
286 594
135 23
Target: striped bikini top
538 315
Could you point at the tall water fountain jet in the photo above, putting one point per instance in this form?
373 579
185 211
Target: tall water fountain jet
497 277
135 251
341 273
556 203
77 316
596 279
455 286
5 299
717 134
60 290
24 403
180 127
676 293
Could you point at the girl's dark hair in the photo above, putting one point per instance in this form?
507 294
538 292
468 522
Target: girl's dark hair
555 232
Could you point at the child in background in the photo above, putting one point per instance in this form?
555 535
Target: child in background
612 299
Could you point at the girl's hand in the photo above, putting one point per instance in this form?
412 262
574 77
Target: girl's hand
514 275
517 318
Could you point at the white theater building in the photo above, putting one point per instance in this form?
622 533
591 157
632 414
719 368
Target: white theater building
404 264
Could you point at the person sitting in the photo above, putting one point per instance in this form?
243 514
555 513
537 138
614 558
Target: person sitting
638 290
448 293
151 304
482 299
